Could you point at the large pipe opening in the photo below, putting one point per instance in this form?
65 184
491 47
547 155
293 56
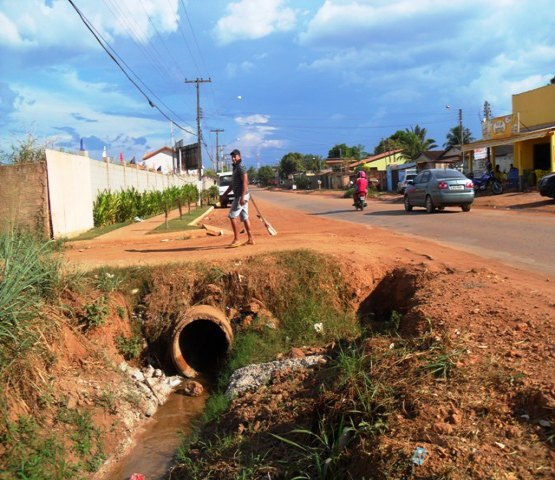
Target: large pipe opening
201 339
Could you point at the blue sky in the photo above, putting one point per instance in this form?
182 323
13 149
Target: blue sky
286 76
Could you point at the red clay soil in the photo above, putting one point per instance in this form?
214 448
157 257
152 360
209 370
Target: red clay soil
499 318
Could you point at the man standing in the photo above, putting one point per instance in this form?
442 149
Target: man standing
240 204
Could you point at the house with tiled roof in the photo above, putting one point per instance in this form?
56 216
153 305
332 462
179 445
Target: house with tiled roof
161 160
449 158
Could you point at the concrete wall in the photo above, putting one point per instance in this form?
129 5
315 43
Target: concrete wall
24 198
536 107
74 182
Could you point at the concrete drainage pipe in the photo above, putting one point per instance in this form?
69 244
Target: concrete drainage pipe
201 338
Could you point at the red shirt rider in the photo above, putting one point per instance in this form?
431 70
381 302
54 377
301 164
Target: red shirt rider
361 185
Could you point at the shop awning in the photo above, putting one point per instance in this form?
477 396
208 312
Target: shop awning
521 137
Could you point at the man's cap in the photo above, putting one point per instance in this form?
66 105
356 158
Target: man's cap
235 152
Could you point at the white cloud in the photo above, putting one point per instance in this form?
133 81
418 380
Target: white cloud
252 119
32 23
106 111
248 20
234 69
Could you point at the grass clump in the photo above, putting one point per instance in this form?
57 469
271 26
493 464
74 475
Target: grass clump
31 456
30 275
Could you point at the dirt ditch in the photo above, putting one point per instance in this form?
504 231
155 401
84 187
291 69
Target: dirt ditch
455 361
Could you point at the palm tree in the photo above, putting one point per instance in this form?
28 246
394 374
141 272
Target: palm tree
454 137
415 142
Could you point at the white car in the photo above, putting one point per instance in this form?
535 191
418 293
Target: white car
401 186
224 181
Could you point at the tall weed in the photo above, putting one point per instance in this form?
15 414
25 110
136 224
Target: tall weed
29 274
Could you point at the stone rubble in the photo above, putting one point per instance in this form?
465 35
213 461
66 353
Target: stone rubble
254 376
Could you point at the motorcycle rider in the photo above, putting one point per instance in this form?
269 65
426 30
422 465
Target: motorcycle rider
361 186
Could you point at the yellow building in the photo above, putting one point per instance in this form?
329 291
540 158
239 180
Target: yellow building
529 130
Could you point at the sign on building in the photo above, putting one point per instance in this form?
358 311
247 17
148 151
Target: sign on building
189 156
500 127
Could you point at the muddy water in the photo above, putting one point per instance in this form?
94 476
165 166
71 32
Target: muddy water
155 446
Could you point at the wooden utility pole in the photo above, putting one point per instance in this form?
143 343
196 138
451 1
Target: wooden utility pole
198 81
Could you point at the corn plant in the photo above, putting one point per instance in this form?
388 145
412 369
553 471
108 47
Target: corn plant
105 208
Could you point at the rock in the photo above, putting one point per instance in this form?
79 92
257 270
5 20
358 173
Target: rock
71 403
136 374
174 381
442 428
254 376
295 353
192 388
151 409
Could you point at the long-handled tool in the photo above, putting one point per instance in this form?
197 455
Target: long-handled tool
271 230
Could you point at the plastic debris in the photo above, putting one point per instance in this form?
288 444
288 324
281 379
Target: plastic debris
137 476
419 455
138 219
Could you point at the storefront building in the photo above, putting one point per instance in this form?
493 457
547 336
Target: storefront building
524 139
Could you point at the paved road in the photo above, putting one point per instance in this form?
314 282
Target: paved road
522 240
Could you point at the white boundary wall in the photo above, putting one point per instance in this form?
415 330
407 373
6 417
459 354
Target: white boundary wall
74 182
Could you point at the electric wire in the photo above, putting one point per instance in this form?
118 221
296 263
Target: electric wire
174 62
139 38
187 44
113 57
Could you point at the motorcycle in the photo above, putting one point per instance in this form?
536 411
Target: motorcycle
487 180
360 201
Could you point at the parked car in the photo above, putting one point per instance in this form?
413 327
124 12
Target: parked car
546 185
437 188
224 181
401 186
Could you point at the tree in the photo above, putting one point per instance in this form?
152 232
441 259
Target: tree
393 142
266 174
412 141
252 174
290 164
343 151
314 163
415 142
552 81
454 137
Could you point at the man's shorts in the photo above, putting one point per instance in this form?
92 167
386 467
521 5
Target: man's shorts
238 210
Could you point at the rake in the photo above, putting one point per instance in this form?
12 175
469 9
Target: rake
271 230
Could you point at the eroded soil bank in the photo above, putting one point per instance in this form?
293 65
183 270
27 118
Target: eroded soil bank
446 364
455 358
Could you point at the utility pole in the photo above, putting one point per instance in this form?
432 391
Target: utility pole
487 110
198 81
487 115
461 132
217 131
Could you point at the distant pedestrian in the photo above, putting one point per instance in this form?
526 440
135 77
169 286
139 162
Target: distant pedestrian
240 205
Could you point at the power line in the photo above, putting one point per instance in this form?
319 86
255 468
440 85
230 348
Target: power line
97 37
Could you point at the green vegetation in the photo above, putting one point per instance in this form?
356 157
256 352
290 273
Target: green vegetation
33 456
27 150
181 224
129 347
95 313
117 207
30 272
